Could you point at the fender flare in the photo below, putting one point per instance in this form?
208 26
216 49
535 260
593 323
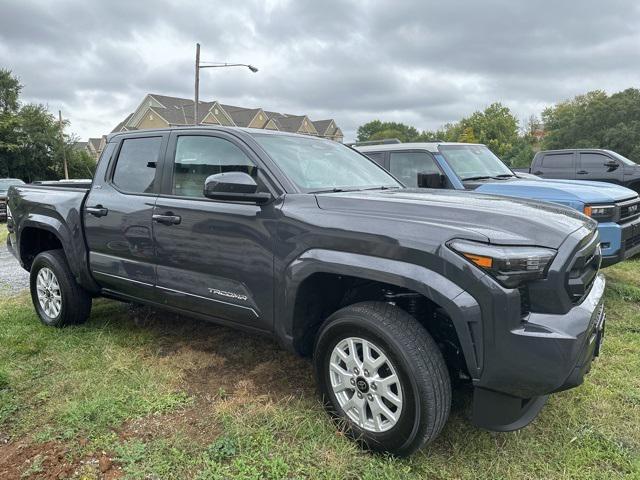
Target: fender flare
74 248
459 305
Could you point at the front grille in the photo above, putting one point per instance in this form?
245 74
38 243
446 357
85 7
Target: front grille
629 210
525 302
584 270
632 242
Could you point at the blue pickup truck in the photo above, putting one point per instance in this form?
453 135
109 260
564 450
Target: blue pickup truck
464 166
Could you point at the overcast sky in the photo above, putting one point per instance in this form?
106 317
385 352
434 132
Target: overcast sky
420 62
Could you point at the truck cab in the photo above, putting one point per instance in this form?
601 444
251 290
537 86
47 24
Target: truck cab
587 164
473 167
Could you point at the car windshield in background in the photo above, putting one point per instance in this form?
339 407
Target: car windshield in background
624 160
474 162
5 183
316 165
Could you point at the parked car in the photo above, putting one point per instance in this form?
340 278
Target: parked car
587 164
394 292
5 183
463 166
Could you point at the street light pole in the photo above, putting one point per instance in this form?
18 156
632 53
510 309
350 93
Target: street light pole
195 105
210 65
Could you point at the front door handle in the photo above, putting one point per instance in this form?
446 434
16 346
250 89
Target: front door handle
582 172
97 211
168 219
538 172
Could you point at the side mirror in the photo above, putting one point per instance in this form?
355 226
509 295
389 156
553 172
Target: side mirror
611 164
235 187
430 180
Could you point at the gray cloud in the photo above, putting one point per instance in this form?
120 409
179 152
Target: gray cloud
422 62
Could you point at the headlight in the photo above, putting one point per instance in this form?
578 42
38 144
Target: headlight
511 266
599 212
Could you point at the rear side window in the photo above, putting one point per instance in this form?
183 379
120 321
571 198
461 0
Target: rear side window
136 166
558 160
407 165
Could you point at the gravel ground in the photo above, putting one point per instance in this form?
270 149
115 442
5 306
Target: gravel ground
13 278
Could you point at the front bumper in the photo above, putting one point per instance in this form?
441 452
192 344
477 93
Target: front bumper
624 241
547 353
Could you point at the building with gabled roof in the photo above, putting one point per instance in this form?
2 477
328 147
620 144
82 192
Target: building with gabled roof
161 111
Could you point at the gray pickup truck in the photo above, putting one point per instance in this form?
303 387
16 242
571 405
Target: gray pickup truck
396 293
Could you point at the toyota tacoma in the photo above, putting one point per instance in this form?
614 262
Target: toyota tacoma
394 292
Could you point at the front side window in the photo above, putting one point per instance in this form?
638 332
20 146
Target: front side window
472 162
136 166
315 164
198 157
407 165
594 162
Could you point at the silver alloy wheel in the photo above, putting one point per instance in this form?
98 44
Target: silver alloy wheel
365 384
48 290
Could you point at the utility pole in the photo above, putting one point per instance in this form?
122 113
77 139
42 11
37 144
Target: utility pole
64 153
195 104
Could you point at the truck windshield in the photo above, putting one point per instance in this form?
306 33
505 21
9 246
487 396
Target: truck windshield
473 162
318 165
624 160
5 183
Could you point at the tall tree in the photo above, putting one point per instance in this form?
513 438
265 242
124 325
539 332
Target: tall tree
596 120
377 130
30 145
9 92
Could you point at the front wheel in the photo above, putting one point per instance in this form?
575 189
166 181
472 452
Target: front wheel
382 377
59 301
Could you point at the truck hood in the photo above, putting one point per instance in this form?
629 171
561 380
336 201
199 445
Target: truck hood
569 192
450 213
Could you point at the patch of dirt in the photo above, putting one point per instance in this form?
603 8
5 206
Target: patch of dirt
23 459
217 365
217 361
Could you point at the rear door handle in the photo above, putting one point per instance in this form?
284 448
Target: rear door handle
97 211
168 219
582 172
538 172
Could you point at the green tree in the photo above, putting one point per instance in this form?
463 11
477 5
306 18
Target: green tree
596 120
377 130
30 144
9 92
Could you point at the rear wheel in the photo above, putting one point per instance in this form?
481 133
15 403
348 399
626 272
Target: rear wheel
59 301
382 377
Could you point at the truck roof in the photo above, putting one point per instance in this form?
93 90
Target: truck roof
218 128
429 146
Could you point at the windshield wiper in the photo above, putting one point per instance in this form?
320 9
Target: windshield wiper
382 187
479 177
335 190
504 175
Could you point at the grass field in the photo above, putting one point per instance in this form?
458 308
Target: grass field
138 394
4 233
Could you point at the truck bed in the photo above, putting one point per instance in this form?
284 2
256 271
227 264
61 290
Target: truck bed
54 208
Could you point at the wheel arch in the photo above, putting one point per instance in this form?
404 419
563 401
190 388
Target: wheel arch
40 233
305 275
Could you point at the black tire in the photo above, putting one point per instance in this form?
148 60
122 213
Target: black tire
419 365
75 301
